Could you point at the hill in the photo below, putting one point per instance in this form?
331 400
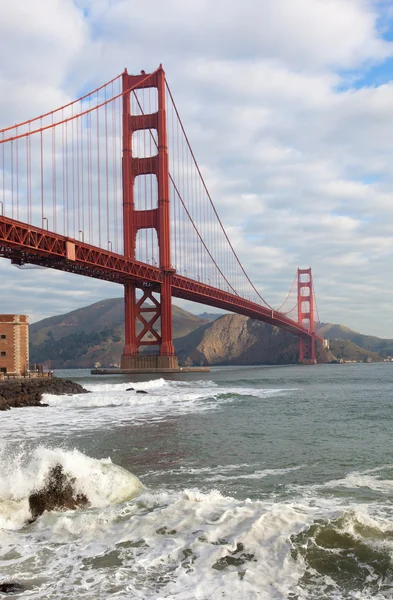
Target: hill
91 334
383 347
95 334
237 340
210 316
348 351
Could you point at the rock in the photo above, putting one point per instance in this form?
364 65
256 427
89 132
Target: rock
10 587
58 493
141 392
28 392
239 340
233 560
130 389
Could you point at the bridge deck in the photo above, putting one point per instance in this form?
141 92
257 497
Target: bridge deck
22 243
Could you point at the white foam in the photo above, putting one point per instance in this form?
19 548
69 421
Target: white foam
119 387
257 474
108 404
166 546
363 479
170 544
259 392
228 472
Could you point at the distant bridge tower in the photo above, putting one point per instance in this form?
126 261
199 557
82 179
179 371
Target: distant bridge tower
156 218
305 307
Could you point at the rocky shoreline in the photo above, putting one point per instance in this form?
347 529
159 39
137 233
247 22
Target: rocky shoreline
28 392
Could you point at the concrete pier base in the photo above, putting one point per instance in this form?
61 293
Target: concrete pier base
308 361
148 362
138 371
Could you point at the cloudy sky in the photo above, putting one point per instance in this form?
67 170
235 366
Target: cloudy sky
289 108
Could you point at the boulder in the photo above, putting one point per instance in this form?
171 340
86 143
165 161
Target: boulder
10 587
58 493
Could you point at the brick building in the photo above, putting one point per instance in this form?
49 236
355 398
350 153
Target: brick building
14 344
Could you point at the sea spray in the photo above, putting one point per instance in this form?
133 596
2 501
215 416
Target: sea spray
23 472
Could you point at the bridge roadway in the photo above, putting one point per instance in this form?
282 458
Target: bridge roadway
26 244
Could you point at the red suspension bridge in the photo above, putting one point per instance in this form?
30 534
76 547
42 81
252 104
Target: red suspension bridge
108 187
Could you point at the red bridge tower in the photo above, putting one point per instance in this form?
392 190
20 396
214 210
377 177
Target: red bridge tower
305 307
156 218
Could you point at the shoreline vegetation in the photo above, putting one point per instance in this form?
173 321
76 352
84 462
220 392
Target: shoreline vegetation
17 393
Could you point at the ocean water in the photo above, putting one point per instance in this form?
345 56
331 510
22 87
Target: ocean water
243 483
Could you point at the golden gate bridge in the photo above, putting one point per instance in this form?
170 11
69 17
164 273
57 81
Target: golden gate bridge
107 186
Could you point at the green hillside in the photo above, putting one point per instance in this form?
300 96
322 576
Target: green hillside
383 347
92 334
347 351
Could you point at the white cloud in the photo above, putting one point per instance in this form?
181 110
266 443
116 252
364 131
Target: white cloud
306 33
38 43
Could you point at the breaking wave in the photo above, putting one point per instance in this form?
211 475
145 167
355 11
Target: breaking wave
24 472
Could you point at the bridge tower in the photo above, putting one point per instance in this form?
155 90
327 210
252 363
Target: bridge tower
157 218
305 307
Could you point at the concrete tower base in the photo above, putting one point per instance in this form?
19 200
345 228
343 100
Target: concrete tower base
149 362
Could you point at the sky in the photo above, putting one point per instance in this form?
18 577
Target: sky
288 105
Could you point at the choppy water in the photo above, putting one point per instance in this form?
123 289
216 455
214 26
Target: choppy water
271 483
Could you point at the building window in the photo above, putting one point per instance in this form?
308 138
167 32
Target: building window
3 353
3 370
3 336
